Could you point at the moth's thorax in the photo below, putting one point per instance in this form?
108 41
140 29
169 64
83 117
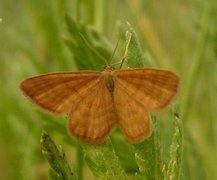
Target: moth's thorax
108 78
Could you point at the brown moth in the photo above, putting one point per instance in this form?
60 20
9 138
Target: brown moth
96 101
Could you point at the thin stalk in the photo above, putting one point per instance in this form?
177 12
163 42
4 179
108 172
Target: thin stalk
199 51
79 162
99 15
77 8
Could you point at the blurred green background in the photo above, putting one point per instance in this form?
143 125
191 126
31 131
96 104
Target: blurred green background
177 35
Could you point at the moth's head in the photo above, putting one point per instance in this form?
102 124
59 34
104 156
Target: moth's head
108 67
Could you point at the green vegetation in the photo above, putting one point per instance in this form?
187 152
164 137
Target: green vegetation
46 36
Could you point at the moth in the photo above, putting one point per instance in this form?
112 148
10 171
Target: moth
98 101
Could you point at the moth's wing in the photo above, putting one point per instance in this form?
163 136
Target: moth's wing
153 88
93 117
132 116
58 92
137 93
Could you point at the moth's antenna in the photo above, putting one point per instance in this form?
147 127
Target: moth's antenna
92 49
113 53
126 51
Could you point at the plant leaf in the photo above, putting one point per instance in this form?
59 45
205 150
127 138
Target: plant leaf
57 160
176 149
89 48
135 56
103 161
148 155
